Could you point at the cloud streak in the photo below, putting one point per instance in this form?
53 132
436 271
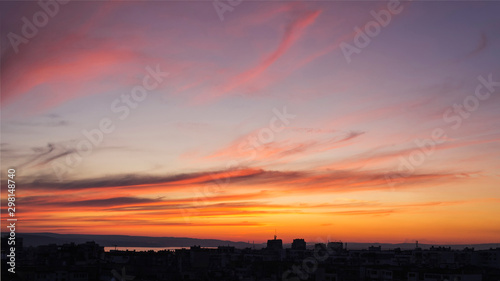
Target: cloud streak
293 32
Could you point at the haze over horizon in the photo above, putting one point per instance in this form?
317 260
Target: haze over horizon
147 118
120 240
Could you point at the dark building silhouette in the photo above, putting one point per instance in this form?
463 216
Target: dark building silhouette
275 244
336 246
299 244
326 262
319 247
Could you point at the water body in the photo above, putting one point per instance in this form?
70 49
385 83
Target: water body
146 249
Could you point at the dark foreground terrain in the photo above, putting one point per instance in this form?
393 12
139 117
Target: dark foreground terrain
320 262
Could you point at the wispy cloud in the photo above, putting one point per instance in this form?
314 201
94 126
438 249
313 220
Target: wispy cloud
293 32
300 144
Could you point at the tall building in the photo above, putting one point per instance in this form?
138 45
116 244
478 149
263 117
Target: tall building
275 244
336 246
298 244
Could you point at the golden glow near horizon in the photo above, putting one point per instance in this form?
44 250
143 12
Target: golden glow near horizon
159 119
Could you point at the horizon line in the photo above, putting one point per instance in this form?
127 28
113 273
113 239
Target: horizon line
420 242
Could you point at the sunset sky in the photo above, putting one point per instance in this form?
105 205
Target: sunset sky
175 119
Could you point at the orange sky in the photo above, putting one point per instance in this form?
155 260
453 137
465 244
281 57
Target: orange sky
161 119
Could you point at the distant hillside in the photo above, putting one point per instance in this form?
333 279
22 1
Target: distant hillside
410 246
35 239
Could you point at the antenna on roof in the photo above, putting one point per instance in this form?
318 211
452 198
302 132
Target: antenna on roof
275 234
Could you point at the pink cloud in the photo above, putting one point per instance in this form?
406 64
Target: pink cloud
78 62
293 33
